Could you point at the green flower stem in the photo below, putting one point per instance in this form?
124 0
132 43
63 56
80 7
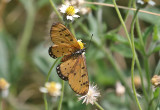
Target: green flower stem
98 106
45 101
47 79
125 18
72 29
26 36
141 76
54 8
131 45
61 98
133 58
145 58
49 73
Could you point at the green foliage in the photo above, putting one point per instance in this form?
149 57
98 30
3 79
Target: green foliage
25 62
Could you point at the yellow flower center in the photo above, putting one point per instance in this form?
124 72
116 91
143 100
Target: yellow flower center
52 88
70 11
80 44
146 1
3 84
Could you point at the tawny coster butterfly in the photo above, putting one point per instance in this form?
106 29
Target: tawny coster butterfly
73 64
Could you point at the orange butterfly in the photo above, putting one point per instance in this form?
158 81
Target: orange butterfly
73 67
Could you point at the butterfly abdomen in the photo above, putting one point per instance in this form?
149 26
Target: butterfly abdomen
79 52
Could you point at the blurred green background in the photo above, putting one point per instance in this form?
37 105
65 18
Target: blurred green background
25 62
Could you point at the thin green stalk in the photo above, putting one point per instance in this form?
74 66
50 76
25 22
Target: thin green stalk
49 73
125 18
136 58
146 65
54 8
143 51
140 73
72 29
47 79
26 36
98 106
45 101
122 22
133 58
61 98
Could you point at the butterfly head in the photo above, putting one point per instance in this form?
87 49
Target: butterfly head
81 44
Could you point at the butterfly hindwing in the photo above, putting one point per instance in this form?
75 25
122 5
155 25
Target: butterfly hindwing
61 35
64 69
78 77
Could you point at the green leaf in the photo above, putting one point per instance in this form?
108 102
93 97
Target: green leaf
156 93
146 33
156 49
155 33
157 70
122 49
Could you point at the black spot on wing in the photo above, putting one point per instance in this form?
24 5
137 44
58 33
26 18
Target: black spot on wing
60 73
51 53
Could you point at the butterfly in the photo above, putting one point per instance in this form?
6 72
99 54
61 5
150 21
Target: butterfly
73 64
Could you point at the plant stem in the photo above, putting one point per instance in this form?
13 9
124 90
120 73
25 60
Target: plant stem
45 101
49 73
26 36
98 106
61 98
47 79
125 18
131 43
145 58
72 29
133 59
54 8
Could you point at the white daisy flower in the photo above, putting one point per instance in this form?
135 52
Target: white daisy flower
70 11
51 88
91 96
4 87
142 2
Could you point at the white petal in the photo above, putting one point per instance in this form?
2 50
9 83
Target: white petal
63 8
58 86
76 16
69 18
43 90
151 3
140 2
47 84
76 10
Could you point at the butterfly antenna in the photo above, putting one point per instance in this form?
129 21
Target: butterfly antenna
90 41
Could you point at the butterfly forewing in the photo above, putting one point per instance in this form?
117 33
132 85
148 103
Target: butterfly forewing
61 35
78 77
